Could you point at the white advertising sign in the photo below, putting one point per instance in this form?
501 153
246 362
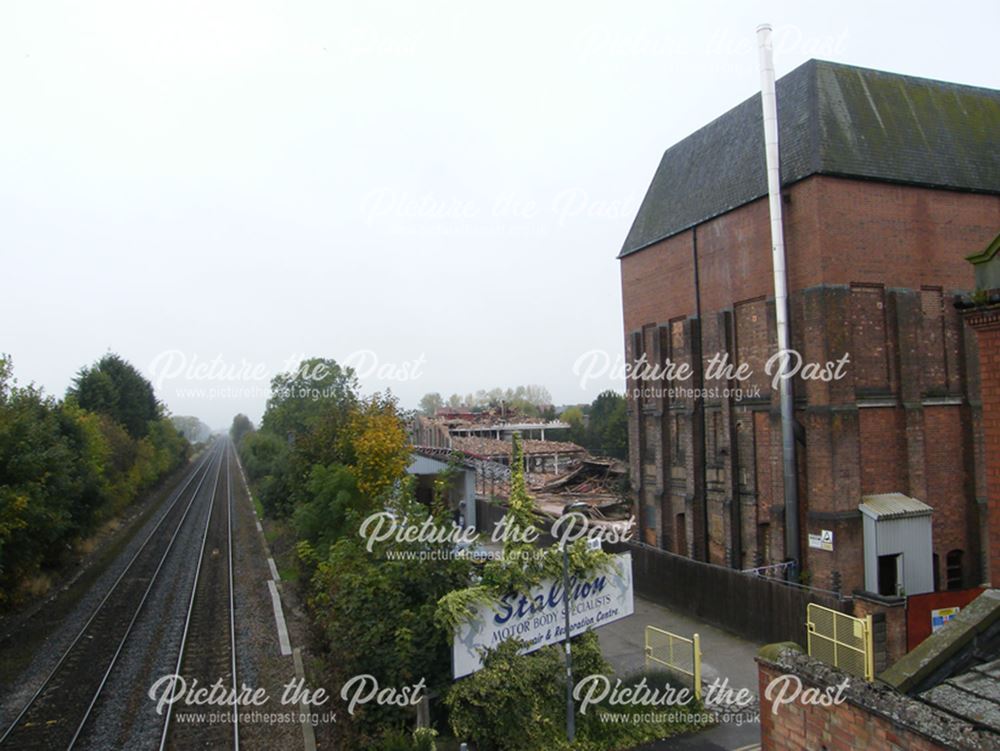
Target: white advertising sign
538 618
941 616
822 541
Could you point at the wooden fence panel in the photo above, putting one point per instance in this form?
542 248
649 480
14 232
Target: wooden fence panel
759 609
756 608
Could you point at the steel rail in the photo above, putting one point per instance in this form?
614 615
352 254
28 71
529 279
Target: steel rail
138 610
191 604
232 602
172 502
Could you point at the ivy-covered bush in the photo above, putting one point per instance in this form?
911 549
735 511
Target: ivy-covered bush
376 610
518 702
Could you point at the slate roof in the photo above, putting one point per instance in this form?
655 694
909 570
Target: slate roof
833 119
974 695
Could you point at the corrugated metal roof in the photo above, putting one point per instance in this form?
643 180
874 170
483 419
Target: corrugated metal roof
833 120
893 506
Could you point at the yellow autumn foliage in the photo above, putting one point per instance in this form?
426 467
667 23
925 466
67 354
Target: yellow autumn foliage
377 441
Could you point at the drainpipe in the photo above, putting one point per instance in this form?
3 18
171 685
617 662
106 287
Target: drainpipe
769 105
698 438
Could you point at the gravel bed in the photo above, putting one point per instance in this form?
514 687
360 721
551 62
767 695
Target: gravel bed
124 716
50 627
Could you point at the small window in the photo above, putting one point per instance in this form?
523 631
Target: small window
937 572
954 573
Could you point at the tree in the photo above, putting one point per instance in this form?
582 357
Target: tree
489 706
431 403
192 428
538 396
521 566
300 398
376 444
530 400
573 416
333 501
114 387
607 430
511 685
64 468
265 458
241 427
37 495
376 614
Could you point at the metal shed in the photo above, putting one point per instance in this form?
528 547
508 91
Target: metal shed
462 495
898 547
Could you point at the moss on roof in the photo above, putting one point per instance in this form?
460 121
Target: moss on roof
836 120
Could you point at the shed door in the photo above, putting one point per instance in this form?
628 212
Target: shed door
890 574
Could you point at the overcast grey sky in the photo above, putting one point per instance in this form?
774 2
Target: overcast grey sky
440 185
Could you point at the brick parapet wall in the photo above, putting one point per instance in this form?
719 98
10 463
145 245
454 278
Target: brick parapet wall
872 716
889 616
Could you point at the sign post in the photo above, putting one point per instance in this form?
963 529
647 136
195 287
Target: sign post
570 719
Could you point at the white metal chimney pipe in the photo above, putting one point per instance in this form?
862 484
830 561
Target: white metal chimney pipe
769 105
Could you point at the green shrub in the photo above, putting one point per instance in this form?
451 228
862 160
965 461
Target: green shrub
65 468
518 703
422 739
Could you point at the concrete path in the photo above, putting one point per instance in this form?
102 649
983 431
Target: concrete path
726 657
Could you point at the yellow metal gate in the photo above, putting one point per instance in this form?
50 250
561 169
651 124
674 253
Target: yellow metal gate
841 640
678 653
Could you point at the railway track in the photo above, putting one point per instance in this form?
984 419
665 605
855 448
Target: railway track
59 711
208 646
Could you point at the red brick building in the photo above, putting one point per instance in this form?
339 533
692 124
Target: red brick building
889 182
982 314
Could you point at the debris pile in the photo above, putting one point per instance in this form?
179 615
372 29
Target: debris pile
600 483
492 448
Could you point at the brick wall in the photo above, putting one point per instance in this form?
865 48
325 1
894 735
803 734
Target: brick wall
949 492
873 271
874 232
986 324
872 716
889 616
883 450
837 231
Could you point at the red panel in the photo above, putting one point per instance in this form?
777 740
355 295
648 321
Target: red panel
919 607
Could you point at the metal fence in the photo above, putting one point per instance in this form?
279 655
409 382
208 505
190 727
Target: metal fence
679 654
841 640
